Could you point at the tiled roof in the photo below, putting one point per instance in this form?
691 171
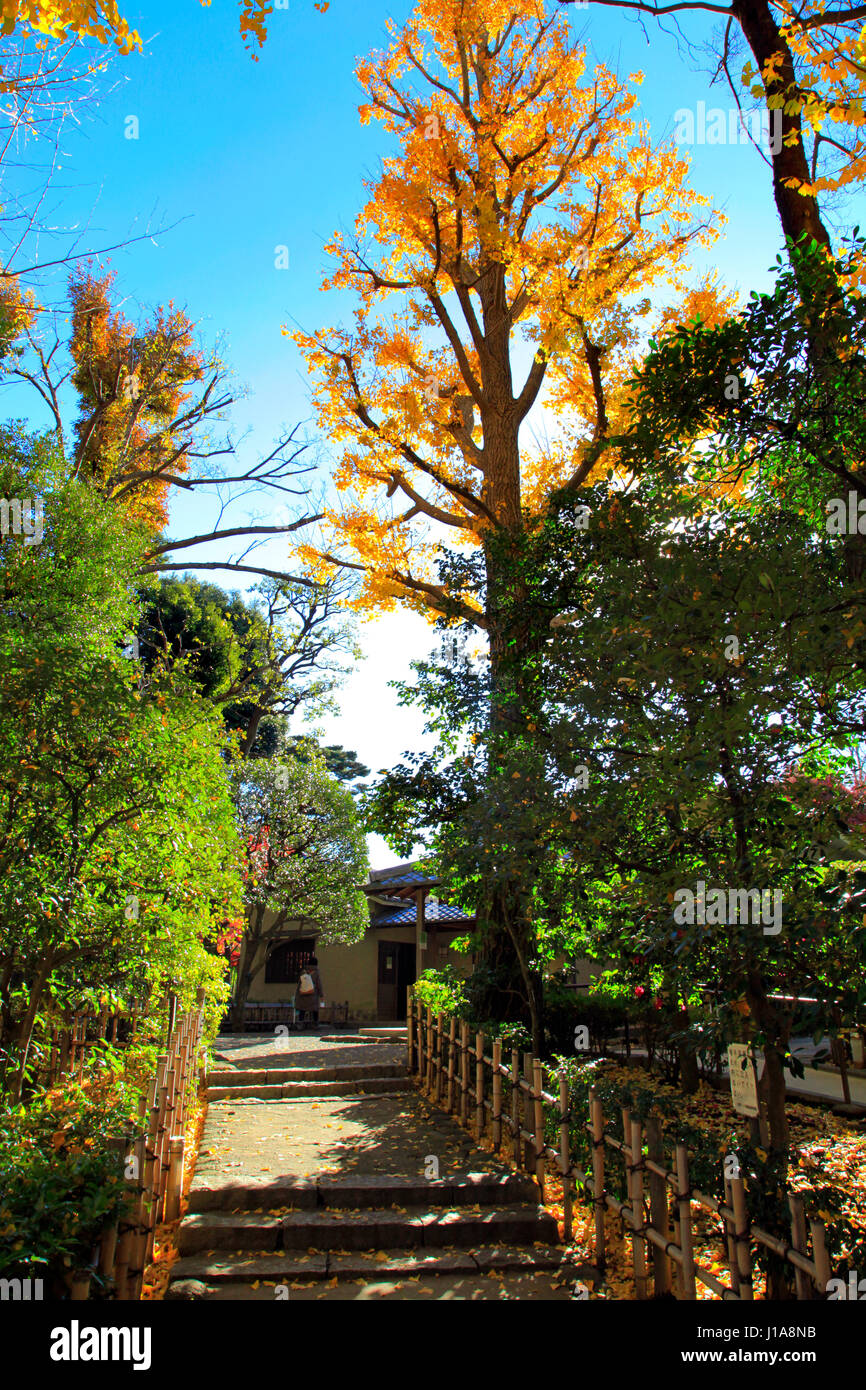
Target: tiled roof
433 913
411 879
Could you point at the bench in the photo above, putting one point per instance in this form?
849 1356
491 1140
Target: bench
265 1018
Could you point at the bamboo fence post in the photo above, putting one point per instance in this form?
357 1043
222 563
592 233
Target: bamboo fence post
819 1255
410 1039
153 1169
497 1095
108 1250
127 1225
676 1268
65 1050
186 1078
172 1016
165 1141
439 1040
565 1155
108 1243
538 1124
139 1230
658 1206
597 1131
687 1266
517 1147
428 1085
741 1236
464 1072
78 1061
174 1185
452 1053
79 1286
798 1243
639 1241
528 1121
479 1087
731 1238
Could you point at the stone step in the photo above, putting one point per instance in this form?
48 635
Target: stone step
272 1076
385 1034
227 1194
291 1266
352 1038
372 1086
365 1230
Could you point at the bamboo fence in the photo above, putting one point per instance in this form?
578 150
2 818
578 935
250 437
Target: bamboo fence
458 1073
151 1156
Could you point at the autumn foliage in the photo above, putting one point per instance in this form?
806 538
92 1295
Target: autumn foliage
60 19
502 262
132 384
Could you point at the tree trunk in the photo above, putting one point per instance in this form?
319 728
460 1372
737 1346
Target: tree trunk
799 214
507 988
24 1032
689 1078
249 947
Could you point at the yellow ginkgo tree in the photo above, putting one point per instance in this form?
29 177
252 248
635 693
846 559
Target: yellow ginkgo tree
505 261
808 66
63 19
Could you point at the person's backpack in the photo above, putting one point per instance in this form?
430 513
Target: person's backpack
305 984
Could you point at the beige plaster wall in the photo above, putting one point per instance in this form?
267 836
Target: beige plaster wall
351 972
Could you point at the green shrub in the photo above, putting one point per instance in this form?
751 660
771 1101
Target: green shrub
62 1184
443 991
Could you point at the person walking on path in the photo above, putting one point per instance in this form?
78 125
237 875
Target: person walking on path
308 995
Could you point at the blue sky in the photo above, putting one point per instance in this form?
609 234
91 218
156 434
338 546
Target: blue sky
246 156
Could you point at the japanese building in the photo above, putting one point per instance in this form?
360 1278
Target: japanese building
411 929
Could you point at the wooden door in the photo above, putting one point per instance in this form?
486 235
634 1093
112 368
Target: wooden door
396 972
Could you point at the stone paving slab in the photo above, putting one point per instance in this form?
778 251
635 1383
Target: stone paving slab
415 1289
396 1135
264 1050
233 1267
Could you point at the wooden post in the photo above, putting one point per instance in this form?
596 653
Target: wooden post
819 1255
798 1243
528 1121
497 1095
452 1056
517 1147
730 1226
108 1250
741 1236
439 1037
538 1124
687 1266
174 1186
464 1072
79 1286
565 1156
597 1130
479 1086
639 1241
428 1087
658 1206
676 1269
172 1016
410 1030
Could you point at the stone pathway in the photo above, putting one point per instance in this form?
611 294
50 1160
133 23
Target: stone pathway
323 1173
